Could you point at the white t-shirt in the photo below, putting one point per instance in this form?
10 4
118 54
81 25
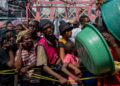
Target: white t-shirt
75 31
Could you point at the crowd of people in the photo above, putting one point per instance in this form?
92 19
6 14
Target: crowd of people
33 44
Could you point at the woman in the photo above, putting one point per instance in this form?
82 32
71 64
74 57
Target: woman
112 80
49 44
66 32
25 58
6 60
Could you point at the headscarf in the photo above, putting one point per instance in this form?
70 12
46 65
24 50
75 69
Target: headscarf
45 23
21 35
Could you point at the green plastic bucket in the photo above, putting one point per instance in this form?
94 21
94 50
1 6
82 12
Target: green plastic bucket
93 51
111 16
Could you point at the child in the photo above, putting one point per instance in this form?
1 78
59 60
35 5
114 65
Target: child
71 62
66 32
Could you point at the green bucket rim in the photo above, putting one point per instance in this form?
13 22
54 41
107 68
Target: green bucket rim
106 23
105 45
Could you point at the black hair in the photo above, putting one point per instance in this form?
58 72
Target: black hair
43 23
64 27
100 24
81 19
8 23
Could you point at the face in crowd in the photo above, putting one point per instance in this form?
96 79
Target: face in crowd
9 26
19 28
84 20
27 40
24 39
48 30
8 39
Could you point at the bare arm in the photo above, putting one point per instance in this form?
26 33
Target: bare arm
62 53
18 57
18 60
51 72
109 38
11 59
58 61
61 79
76 69
42 60
64 69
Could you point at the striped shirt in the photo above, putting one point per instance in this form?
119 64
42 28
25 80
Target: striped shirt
28 58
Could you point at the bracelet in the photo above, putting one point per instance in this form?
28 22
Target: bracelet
115 45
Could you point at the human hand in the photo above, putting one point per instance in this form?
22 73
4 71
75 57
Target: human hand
6 44
78 73
21 45
76 78
117 66
63 80
10 64
24 70
30 73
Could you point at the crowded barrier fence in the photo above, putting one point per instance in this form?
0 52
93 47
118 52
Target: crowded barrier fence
39 76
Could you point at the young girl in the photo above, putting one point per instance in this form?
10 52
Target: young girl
66 32
71 59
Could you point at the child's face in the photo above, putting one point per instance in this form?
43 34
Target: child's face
69 33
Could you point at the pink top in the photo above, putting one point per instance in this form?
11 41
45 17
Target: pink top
50 51
69 58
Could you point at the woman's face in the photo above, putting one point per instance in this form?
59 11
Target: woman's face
10 37
86 20
18 29
48 30
27 39
10 26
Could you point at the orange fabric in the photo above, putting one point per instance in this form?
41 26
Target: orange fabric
98 82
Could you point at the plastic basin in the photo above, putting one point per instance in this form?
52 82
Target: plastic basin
93 51
111 16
